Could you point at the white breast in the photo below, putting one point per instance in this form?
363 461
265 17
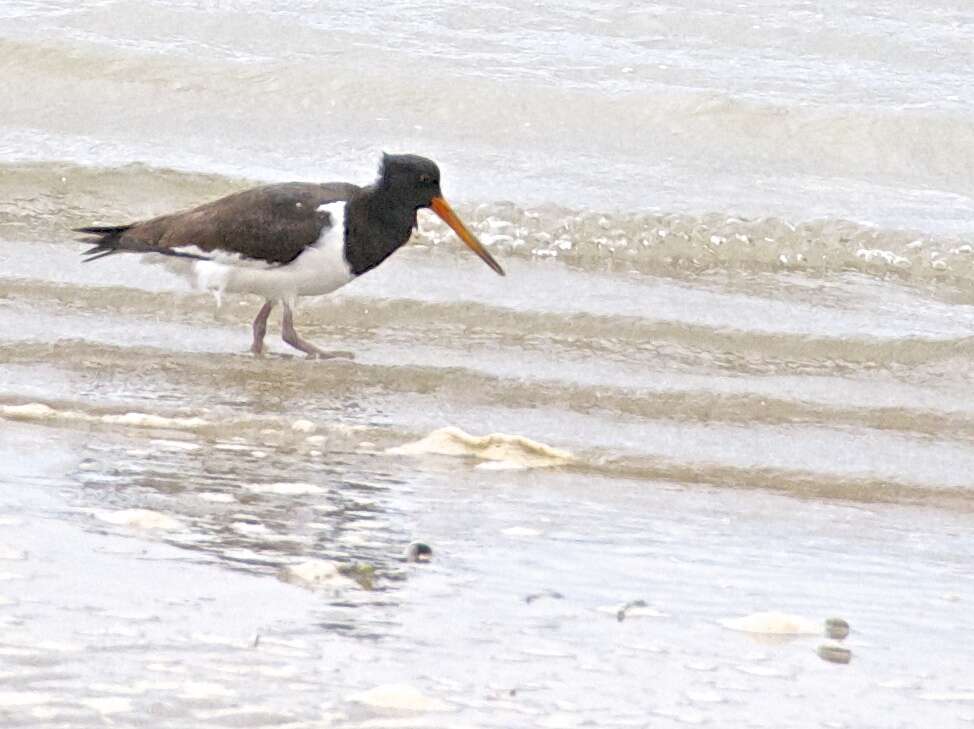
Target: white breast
320 269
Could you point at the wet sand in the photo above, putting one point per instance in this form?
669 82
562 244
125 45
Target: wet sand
190 623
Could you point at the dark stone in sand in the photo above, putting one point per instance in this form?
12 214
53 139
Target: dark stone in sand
834 653
544 593
836 628
621 613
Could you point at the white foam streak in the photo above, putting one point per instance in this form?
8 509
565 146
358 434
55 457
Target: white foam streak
41 412
505 450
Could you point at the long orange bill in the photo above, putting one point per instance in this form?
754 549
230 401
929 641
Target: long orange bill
449 217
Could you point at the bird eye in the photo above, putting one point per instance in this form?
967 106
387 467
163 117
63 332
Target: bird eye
425 179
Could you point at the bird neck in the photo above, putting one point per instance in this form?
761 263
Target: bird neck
376 226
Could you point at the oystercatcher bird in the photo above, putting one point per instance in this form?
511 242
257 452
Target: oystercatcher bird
292 239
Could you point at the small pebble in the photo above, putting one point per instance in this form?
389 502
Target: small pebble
834 653
419 552
544 593
631 609
836 628
621 612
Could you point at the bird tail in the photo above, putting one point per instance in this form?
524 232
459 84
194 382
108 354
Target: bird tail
107 240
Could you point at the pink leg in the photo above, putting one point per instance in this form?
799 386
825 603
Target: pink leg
260 328
294 339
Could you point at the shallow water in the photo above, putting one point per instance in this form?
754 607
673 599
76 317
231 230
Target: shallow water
739 294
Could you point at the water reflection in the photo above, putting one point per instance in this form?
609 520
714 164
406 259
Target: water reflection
256 509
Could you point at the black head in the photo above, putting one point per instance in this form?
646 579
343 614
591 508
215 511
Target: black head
410 179
408 182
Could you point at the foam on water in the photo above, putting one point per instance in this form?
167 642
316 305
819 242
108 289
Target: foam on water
283 488
627 452
656 242
9 553
399 697
513 451
140 519
774 623
661 242
42 412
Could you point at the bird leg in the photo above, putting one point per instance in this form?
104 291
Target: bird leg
294 339
260 328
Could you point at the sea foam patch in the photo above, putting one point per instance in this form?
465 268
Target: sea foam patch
284 488
317 574
36 411
773 623
512 451
11 553
139 519
399 697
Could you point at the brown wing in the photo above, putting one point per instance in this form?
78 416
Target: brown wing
273 223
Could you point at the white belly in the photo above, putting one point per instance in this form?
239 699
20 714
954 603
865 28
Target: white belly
320 269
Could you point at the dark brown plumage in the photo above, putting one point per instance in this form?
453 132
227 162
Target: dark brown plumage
273 223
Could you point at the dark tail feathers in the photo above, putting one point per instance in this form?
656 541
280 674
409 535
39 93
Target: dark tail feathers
107 240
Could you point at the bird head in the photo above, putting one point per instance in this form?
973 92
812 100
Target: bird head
414 181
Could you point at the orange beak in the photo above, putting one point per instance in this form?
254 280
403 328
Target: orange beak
449 217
